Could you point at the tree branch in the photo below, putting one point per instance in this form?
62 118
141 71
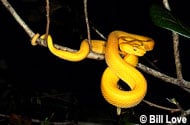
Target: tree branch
47 18
162 107
176 49
18 18
185 84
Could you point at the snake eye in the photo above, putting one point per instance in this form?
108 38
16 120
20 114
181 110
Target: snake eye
135 48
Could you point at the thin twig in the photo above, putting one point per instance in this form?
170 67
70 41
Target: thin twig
87 22
166 4
179 106
164 77
186 112
18 18
177 56
176 49
47 18
162 107
99 33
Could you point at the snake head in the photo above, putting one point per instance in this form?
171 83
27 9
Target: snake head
135 46
137 50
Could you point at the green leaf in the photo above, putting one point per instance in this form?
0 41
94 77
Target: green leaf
164 18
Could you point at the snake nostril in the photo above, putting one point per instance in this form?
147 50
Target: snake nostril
123 86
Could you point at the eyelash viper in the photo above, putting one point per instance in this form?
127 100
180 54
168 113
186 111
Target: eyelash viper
121 54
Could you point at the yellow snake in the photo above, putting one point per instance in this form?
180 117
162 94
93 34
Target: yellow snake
129 46
121 54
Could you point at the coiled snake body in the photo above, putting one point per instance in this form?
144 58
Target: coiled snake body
121 54
129 46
